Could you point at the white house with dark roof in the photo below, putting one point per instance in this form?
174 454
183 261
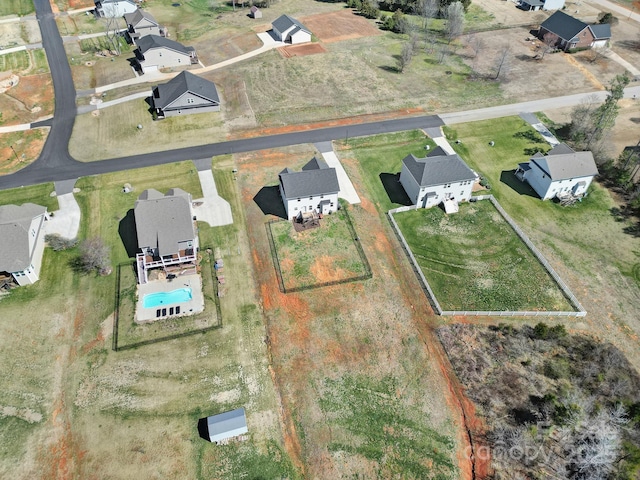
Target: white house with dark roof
437 178
184 94
155 52
141 23
313 190
22 241
289 30
165 229
227 425
562 171
114 8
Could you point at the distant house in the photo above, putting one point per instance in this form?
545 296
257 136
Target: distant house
313 190
185 94
569 32
438 178
22 240
560 172
165 230
534 5
155 52
290 30
227 425
141 23
256 12
114 8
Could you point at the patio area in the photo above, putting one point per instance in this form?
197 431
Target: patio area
172 308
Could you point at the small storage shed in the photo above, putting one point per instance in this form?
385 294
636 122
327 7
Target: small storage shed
227 425
256 12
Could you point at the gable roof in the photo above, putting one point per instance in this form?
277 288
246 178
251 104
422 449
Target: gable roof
163 221
15 222
136 17
316 178
227 425
285 22
182 83
438 169
600 31
148 42
563 25
132 2
562 163
254 9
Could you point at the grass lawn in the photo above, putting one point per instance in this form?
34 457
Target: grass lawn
58 363
39 194
114 132
473 260
380 160
16 7
27 145
319 255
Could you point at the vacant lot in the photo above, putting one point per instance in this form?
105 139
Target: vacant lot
115 133
346 357
473 260
16 7
340 25
61 381
317 256
24 32
19 149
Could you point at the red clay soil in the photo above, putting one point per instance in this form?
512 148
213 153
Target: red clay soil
73 4
367 118
341 25
301 50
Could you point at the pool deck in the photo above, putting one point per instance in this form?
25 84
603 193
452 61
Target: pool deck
193 306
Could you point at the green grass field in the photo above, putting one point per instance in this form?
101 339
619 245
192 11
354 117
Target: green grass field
25 62
16 7
319 255
473 260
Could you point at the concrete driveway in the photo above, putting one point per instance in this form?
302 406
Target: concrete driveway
65 221
347 190
212 208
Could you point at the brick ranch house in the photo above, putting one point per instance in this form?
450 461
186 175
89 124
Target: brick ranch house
569 32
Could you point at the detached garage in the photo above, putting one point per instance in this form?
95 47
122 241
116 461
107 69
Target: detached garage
289 30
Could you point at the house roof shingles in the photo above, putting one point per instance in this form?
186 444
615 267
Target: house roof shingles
184 82
148 42
562 163
136 17
163 221
601 31
438 169
284 22
316 178
15 222
563 25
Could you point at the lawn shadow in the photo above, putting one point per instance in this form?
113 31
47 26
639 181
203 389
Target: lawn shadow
128 233
203 429
388 68
509 178
270 201
395 190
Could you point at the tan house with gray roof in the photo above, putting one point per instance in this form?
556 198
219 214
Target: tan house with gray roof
22 241
165 227
155 52
141 23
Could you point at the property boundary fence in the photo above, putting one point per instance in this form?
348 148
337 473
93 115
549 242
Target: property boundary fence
579 310
356 241
116 320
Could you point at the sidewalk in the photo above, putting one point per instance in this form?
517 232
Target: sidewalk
621 61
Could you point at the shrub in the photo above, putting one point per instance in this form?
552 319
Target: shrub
58 243
542 331
94 256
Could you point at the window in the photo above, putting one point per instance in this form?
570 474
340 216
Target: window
190 100
310 198
462 192
298 199
33 232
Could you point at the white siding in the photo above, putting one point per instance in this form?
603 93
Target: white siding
117 9
300 37
599 44
294 206
460 191
553 4
409 184
164 58
539 181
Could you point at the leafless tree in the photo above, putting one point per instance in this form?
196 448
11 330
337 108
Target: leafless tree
407 53
455 20
549 41
94 256
427 9
442 52
503 62
112 34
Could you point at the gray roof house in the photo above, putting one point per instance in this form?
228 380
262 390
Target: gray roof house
114 8
141 23
562 172
314 189
155 52
289 30
22 240
574 33
227 425
165 230
186 93
436 178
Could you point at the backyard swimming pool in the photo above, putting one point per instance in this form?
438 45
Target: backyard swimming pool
152 300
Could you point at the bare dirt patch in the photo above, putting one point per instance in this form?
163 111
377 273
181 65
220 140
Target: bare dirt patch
301 50
341 25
